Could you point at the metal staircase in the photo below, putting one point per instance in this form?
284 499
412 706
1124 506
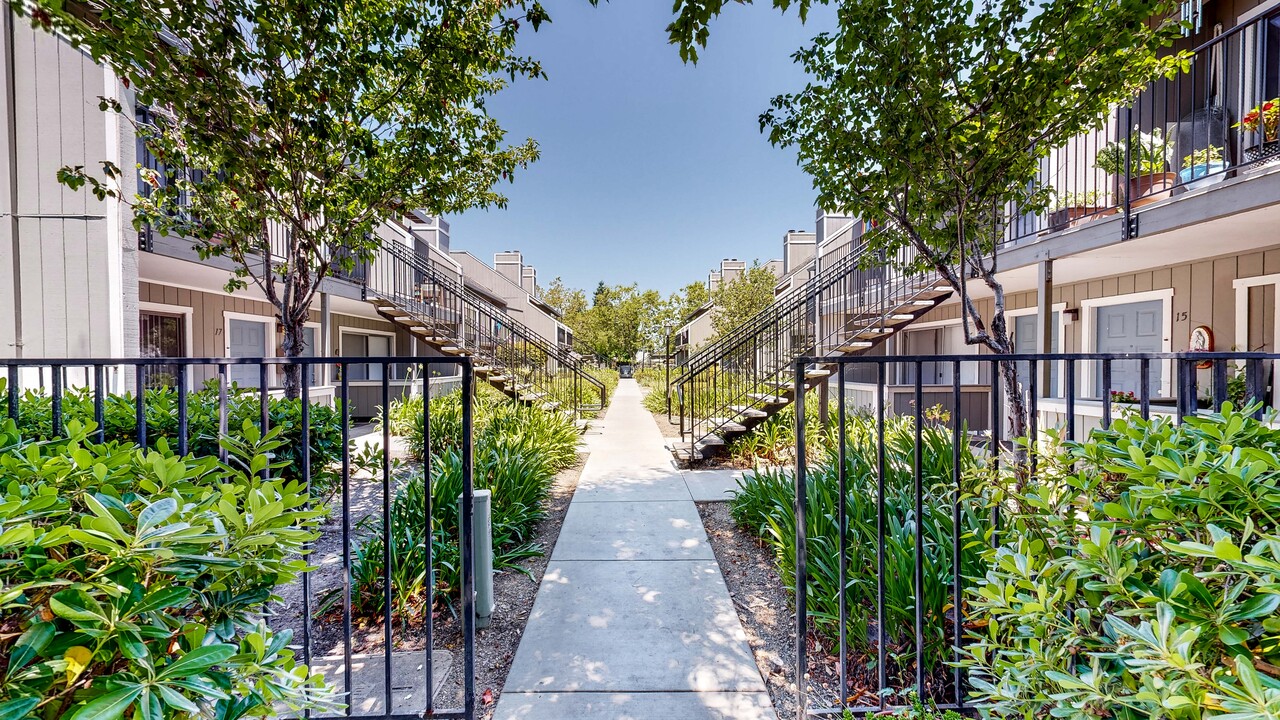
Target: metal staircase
408 289
748 375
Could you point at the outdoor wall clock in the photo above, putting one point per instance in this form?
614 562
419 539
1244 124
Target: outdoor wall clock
1201 341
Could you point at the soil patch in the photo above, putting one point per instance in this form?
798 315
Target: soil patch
514 590
766 612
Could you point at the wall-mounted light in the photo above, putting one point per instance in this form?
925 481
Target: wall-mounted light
1071 315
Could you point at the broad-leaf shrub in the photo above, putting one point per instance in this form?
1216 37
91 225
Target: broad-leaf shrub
518 451
1138 576
133 583
35 419
765 504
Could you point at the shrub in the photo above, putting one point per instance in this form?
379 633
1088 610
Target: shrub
135 582
1138 576
765 506
35 419
518 451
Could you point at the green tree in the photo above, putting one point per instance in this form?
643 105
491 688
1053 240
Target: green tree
289 130
932 117
734 302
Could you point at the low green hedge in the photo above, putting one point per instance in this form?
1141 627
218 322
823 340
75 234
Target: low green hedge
35 419
134 582
518 451
1138 576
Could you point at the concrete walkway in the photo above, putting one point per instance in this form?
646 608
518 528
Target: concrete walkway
633 619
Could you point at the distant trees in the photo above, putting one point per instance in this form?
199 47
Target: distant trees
737 300
621 321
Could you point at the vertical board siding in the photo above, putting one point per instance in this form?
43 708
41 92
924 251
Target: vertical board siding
1203 294
62 243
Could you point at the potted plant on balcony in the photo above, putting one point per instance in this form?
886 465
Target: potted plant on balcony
1076 208
1147 179
1263 120
1206 164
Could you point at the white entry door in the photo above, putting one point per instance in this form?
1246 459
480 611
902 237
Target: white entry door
1131 328
246 339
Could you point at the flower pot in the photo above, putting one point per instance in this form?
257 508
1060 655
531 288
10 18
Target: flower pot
1266 153
1070 217
1202 175
1151 188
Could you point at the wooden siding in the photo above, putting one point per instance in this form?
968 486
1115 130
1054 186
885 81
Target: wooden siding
62 253
1202 295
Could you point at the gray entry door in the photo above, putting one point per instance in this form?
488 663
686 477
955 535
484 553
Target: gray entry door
1131 328
246 339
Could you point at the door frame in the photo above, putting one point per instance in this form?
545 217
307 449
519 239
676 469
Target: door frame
1061 309
1088 342
268 320
1242 286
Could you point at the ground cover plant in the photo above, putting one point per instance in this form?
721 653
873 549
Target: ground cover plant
35 418
1137 576
517 452
134 582
655 379
764 506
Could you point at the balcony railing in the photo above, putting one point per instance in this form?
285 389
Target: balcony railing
1178 135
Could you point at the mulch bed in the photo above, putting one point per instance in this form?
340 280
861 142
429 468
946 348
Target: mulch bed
766 612
495 645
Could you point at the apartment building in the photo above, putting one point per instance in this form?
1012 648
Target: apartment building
513 285
1135 262
698 327
77 280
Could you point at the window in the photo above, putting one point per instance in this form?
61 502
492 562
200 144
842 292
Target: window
311 340
161 335
361 345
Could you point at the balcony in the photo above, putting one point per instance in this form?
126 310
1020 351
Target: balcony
1210 127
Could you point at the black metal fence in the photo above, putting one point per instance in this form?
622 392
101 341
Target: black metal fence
1212 121
44 396
904 504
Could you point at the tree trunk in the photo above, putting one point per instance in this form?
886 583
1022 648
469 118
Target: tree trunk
292 346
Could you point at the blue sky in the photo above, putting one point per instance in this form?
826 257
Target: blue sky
651 170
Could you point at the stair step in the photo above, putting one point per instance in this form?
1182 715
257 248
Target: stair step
855 346
817 374
482 369
532 397
498 379
711 440
749 412
685 451
394 311
727 425
550 405
901 316
922 303
767 398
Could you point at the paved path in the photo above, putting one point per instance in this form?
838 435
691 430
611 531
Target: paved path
633 619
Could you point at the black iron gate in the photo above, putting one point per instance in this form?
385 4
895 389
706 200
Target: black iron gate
357 608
